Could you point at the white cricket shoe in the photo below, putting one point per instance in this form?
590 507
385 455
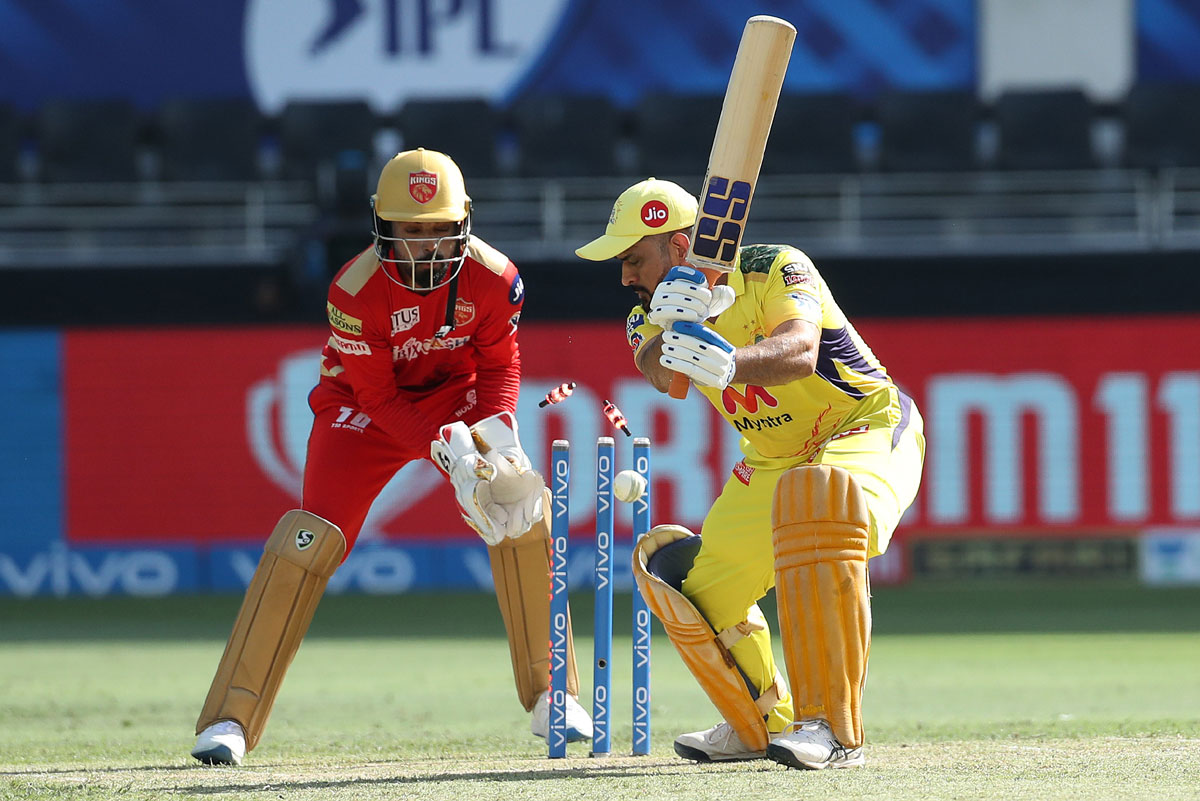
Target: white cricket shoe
810 744
718 744
223 743
579 722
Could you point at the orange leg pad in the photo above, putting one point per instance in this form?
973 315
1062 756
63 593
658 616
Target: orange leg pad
821 524
521 575
693 637
300 556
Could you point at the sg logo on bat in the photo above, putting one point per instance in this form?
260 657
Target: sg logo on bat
722 215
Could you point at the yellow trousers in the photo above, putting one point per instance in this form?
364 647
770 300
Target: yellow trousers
735 566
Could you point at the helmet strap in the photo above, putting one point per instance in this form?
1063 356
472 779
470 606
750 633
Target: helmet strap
451 302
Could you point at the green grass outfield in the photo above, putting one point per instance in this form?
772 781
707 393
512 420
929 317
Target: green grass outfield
1000 690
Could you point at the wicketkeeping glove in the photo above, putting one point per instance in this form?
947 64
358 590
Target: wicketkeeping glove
685 296
498 490
470 473
700 353
516 487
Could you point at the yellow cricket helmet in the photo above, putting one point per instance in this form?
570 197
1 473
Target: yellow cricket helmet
421 186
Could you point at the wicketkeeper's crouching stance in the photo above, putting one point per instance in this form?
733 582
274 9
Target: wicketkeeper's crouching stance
422 362
503 499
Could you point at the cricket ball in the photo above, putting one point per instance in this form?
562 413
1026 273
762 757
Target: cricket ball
629 485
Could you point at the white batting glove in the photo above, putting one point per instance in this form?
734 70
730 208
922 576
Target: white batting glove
700 353
685 296
470 473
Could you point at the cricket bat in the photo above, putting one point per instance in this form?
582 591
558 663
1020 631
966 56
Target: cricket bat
737 151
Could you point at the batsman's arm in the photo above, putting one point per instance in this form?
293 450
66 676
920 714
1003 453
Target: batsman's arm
788 354
647 361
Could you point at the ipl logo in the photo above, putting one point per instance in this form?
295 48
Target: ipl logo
385 50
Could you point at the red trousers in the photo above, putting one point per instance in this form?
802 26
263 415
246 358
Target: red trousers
350 459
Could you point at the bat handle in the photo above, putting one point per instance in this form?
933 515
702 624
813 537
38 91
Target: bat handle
679 386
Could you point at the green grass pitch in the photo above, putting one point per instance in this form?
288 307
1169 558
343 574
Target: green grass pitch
997 690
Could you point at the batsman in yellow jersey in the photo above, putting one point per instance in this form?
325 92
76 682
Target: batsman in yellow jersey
832 458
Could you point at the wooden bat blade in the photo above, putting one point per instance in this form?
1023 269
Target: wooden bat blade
737 152
740 141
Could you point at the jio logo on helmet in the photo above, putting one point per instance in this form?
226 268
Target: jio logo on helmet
655 213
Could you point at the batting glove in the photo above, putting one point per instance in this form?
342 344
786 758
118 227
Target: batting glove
685 296
700 353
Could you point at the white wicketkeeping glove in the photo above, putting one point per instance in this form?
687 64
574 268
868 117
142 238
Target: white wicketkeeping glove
700 353
470 473
685 296
516 487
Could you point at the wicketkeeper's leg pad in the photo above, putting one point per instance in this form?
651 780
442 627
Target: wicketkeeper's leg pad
521 574
661 560
302 553
821 523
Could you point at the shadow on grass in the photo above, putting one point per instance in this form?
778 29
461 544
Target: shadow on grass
589 770
985 606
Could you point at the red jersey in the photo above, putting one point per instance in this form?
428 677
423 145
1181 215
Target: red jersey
382 356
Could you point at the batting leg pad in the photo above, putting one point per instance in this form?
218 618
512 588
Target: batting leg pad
821 524
300 556
521 574
703 650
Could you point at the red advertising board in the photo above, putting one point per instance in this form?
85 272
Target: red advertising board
1034 425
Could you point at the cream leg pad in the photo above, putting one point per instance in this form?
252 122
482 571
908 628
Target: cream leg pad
704 651
820 523
521 574
300 556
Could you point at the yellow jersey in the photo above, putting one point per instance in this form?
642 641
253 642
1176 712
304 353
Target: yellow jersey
849 391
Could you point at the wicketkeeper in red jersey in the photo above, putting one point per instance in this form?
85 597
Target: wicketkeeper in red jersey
422 362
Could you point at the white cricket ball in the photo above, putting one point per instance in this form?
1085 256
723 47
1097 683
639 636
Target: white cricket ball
629 485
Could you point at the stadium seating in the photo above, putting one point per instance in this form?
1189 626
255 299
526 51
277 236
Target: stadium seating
673 133
1044 129
88 140
465 129
566 136
1162 126
313 134
928 130
209 139
812 133
10 142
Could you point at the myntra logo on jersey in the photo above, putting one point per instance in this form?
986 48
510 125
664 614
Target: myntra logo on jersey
415 348
731 399
386 50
